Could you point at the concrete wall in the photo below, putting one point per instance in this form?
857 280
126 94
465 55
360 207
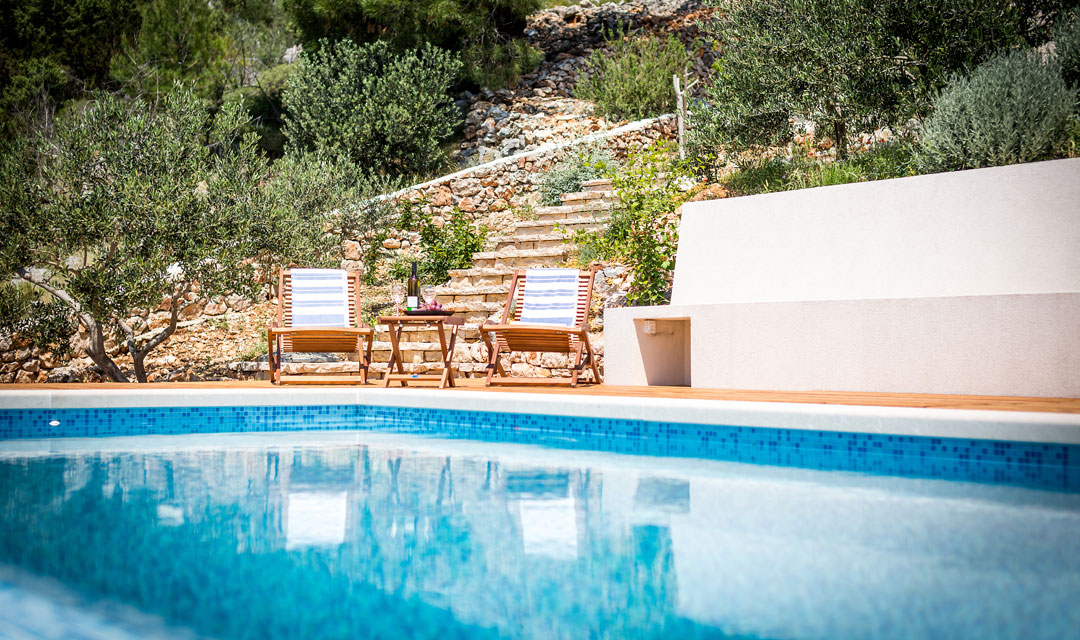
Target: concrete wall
965 283
990 231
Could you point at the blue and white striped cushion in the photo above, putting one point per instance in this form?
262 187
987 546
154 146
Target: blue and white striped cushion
320 298
550 297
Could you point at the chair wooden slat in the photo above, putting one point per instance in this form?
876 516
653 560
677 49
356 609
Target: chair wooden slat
532 338
318 339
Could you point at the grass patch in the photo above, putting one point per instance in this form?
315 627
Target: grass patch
895 160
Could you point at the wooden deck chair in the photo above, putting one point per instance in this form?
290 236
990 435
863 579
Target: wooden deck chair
318 311
551 315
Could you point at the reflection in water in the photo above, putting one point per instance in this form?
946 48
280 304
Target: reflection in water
388 541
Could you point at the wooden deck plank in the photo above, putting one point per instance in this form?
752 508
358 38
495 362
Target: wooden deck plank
994 403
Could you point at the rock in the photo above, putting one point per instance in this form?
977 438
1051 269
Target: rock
351 250
5 343
33 366
215 308
63 374
465 187
22 354
238 303
24 377
10 367
7 378
292 54
391 243
191 311
442 197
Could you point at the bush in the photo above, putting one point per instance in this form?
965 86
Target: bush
572 170
384 111
633 81
442 248
643 231
892 160
847 65
1067 45
487 33
1015 108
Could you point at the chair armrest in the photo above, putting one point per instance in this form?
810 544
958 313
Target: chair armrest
533 327
285 330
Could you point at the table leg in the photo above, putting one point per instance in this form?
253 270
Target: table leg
442 346
395 354
448 358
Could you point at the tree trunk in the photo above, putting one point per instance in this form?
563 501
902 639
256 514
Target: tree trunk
97 353
840 129
138 356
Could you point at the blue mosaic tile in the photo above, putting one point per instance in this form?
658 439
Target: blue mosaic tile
1023 463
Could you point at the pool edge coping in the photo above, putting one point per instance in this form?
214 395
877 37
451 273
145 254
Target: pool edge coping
1017 426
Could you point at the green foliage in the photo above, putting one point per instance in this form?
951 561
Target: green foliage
47 323
442 247
499 65
52 50
893 160
386 112
178 41
487 33
1067 46
643 231
848 65
1015 108
573 169
133 206
633 81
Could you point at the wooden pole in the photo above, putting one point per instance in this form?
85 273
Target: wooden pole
680 111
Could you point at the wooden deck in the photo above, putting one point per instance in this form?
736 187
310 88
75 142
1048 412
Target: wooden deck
994 403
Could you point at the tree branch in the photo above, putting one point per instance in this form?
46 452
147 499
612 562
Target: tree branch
59 294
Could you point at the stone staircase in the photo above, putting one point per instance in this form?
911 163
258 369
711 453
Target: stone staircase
479 292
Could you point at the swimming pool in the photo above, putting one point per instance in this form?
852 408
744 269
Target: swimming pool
341 520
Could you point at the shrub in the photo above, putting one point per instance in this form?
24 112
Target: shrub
884 161
1067 45
442 247
1015 108
571 171
633 81
487 33
643 231
847 65
386 112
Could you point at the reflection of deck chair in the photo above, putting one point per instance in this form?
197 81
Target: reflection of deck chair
547 311
318 311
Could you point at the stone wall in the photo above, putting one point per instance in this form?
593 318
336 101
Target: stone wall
492 192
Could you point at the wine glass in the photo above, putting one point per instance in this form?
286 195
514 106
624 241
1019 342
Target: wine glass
428 292
397 294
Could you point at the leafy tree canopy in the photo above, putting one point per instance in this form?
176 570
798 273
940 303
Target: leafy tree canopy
130 209
848 65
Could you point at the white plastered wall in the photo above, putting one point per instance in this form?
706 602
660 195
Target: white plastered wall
965 282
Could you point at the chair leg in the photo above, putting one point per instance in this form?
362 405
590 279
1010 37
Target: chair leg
575 371
493 358
270 355
364 356
591 357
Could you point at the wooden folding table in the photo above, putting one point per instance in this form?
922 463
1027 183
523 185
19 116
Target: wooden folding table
396 324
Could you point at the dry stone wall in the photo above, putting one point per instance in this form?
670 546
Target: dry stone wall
495 193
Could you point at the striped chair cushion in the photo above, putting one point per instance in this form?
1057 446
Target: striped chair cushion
320 298
550 297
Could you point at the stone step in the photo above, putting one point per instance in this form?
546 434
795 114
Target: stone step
600 184
560 212
522 258
523 241
578 197
453 294
466 333
476 276
590 223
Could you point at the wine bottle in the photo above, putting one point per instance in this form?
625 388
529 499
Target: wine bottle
412 295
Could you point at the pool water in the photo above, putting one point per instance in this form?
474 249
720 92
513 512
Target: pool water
376 535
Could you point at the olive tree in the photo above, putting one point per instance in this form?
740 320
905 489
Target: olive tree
847 65
130 209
